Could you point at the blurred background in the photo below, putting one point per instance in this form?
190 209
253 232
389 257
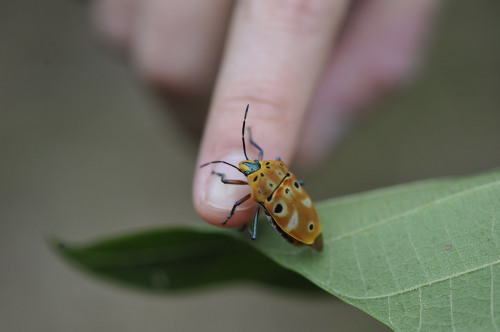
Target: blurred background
86 152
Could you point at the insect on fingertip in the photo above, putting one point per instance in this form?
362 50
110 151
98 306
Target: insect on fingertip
281 197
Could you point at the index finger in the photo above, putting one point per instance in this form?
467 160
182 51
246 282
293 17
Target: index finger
274 58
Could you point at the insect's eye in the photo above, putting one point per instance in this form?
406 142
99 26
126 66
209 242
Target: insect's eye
252 167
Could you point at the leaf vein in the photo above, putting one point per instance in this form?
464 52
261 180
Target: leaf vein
412 211
418 257
491 301
420 309
389 266
389 310
355 250
492 230
451 308
409 289
454 246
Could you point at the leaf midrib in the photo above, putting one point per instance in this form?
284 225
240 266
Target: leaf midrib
406 290
412 211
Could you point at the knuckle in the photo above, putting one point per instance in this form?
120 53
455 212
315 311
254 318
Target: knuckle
266 103
177 77
378 81
375 78
393 72
174 69
295 15
111 20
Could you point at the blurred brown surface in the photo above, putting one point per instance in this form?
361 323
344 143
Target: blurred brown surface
85 151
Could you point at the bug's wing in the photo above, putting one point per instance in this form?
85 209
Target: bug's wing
294 212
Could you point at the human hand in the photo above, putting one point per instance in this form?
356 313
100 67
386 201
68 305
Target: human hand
305 67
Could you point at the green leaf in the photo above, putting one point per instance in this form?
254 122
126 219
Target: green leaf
421 256
178 259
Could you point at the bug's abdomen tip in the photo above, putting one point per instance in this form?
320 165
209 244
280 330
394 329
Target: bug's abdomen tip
318 243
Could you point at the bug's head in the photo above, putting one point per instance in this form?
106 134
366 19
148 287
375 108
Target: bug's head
249 166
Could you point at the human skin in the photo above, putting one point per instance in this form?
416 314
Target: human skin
305 67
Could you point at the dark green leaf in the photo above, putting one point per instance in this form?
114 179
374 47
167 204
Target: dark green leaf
177 259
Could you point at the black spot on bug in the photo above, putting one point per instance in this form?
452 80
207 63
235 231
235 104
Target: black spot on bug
255 178
278 208
311 226
279 173
296 184
268 163
281 164
262 174
268 167
271 185
287 190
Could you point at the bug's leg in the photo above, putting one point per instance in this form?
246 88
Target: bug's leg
253 230
261 152
301 182
236 204
278 159
226 181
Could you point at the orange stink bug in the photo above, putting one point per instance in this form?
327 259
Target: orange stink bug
279 194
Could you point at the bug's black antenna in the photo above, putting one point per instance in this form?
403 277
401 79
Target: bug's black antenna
243 133
222 162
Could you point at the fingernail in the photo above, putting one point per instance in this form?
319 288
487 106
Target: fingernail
221 195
